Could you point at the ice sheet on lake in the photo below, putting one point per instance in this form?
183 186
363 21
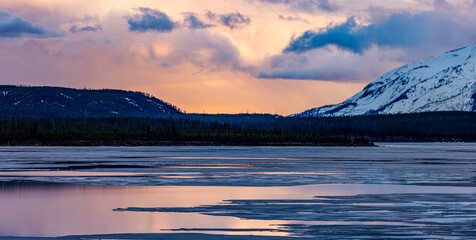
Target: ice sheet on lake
451 164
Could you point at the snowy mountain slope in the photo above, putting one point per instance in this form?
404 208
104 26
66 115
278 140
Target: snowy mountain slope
445 83
69 102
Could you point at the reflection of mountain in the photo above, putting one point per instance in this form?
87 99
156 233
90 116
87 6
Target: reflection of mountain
445 83
68 102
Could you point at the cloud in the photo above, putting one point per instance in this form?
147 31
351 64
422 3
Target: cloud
211 52
150 20
155 20
231 20
193 22
343 35
441 4
293 18
309 6
438 4
329 64
324 5
352 51
76 29
427 32
15 27
86 24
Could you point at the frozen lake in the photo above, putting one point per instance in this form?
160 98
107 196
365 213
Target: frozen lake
419 191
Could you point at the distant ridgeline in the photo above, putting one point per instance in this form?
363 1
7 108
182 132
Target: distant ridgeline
68 102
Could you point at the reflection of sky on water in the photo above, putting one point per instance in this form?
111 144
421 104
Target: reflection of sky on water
196 176
66 210
56 209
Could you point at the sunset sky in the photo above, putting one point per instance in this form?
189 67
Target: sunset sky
226 56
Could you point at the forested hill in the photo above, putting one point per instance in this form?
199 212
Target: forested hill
69 102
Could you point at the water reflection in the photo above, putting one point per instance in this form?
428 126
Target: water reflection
57 209
256 180
35 209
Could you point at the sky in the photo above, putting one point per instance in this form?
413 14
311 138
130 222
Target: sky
226 56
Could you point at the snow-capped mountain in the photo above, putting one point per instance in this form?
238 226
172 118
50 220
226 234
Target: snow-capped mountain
444 83
69 102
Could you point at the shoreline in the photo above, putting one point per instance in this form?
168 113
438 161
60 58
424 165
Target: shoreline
144 236
138 143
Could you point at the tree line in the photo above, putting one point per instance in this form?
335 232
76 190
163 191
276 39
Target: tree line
241 129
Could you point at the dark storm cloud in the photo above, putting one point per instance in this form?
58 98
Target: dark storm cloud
15 27
76 29
306 5
150 20
403 30
231 20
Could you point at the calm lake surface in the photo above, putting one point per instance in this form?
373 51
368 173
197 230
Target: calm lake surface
419 191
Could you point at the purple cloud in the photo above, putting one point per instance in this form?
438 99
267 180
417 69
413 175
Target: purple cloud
308 6
15 27
150 20
76 29
426 30
193 22
231 20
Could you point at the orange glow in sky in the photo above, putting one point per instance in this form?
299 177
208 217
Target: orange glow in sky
215 56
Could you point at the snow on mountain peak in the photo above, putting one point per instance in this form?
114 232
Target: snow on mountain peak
444 83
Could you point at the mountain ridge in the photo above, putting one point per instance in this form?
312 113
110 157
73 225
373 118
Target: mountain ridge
71 102
444 83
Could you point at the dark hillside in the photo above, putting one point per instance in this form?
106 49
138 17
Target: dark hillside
68 102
